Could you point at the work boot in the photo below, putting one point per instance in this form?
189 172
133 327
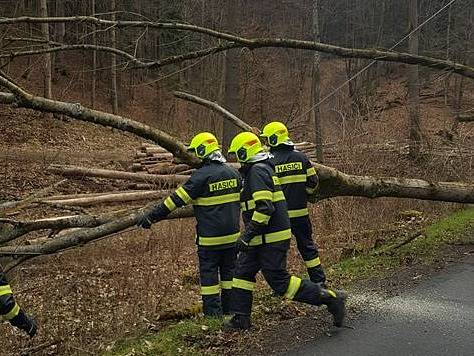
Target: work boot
335 301
238 322
25 322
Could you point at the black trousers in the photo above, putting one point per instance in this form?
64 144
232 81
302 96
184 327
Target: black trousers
302 229
270 259
216 269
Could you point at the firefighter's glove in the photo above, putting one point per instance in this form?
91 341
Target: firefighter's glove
243 243
147 218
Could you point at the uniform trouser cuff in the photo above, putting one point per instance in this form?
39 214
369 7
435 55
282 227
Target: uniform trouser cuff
309 293
226 295
211 305
316 274
241 302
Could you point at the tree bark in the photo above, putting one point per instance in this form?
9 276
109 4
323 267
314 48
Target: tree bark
94 59
78 172
316 86
232 76
120 197
60 32
47 86
113 70
414 83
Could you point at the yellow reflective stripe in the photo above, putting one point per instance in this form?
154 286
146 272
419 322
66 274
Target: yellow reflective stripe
278 196
249 203
219 199
226 284
276 180
332 293
293 287
218 240
271 237
209 290
297 178
313 263
12 313
4 290
298 213
169 203
260 218
243 284
183 194
262 195
311 172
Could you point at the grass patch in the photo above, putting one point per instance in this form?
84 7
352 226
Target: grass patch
184 338
453 229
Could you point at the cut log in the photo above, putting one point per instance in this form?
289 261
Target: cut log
110 198
156 150
142 186
170 169
78 172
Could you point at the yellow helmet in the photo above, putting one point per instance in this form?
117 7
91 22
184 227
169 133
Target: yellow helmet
245 145
275 132
203 144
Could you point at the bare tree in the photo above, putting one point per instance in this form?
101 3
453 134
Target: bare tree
47 57
414 82
232 75
94 59
316 86
113 71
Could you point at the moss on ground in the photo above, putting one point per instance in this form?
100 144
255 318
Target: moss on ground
191 337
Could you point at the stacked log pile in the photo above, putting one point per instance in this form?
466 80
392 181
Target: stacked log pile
154 159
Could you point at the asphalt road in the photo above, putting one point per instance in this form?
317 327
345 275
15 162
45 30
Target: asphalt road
434 318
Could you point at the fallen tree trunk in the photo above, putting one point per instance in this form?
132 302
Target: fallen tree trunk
334 183
78 172
21 98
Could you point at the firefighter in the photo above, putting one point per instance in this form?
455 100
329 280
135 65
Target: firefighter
214 191
266 239
298 179
10 311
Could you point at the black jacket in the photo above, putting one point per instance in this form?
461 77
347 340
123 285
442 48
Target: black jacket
297 177
214 191
263 205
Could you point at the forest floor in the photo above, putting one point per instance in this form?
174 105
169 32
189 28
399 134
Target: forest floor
133 283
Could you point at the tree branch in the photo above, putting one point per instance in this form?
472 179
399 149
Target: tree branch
58 47
214 107
254 43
